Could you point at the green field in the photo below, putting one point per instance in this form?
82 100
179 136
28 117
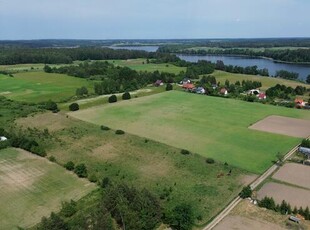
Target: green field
267 82
213 127
141 163
41 86
32 187
137 64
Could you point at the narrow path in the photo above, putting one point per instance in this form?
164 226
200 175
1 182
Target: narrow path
254 185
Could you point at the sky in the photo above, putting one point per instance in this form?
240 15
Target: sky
153 19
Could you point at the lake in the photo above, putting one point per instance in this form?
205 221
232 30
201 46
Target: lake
273 67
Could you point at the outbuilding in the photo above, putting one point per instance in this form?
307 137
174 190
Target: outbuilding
305 151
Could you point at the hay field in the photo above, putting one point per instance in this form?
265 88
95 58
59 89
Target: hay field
210 126
32 187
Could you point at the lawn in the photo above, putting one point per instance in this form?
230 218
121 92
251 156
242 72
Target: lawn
32 187
141 65
210 126
41 86
267 82
141 163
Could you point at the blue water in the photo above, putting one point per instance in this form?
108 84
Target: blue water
273 67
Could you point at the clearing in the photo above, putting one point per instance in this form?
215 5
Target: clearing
294 196
284 125
210 126
41 86
296 174
32 187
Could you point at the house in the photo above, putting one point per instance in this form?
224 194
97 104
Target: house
200 90
253 92
223 91
189 87
294 219
214 86
158 83
262 96
299 102
2 138
185 81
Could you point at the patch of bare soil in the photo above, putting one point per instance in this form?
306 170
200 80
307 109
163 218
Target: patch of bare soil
296 174
105 152
244 223
294 196
247 179
284 125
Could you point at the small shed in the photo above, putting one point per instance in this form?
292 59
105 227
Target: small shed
3 138
294 219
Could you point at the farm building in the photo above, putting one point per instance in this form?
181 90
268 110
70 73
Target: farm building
200 90
158 83
305 151
223 91
2 138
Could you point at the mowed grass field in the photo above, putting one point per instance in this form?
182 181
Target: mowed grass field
142 163
141 65
267 82
32 187
41 86
210 126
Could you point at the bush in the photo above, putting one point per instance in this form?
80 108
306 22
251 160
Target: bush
126 96
169 87
52 159
74 107
68 208
119 132
210 160
81 170
185 152
105 182
305 143
112 99
105 128
181 217
50 105
92 178
246 192
69 165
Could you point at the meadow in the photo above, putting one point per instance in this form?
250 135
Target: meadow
32 187
142 163
210 126
140 64
267 82
41 86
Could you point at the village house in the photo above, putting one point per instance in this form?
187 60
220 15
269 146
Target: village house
299 102
3 138
253 92
185 81
223 91
158 83
200 90
189 87
262 96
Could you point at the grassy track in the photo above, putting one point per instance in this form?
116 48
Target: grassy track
40 86
137 64
267 82
210 126
32 187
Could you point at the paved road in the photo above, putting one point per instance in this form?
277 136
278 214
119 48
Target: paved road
254 184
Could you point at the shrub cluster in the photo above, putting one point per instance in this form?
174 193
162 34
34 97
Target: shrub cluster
112 99
126 96
74 107
105 128
210 160
185 152
119 132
